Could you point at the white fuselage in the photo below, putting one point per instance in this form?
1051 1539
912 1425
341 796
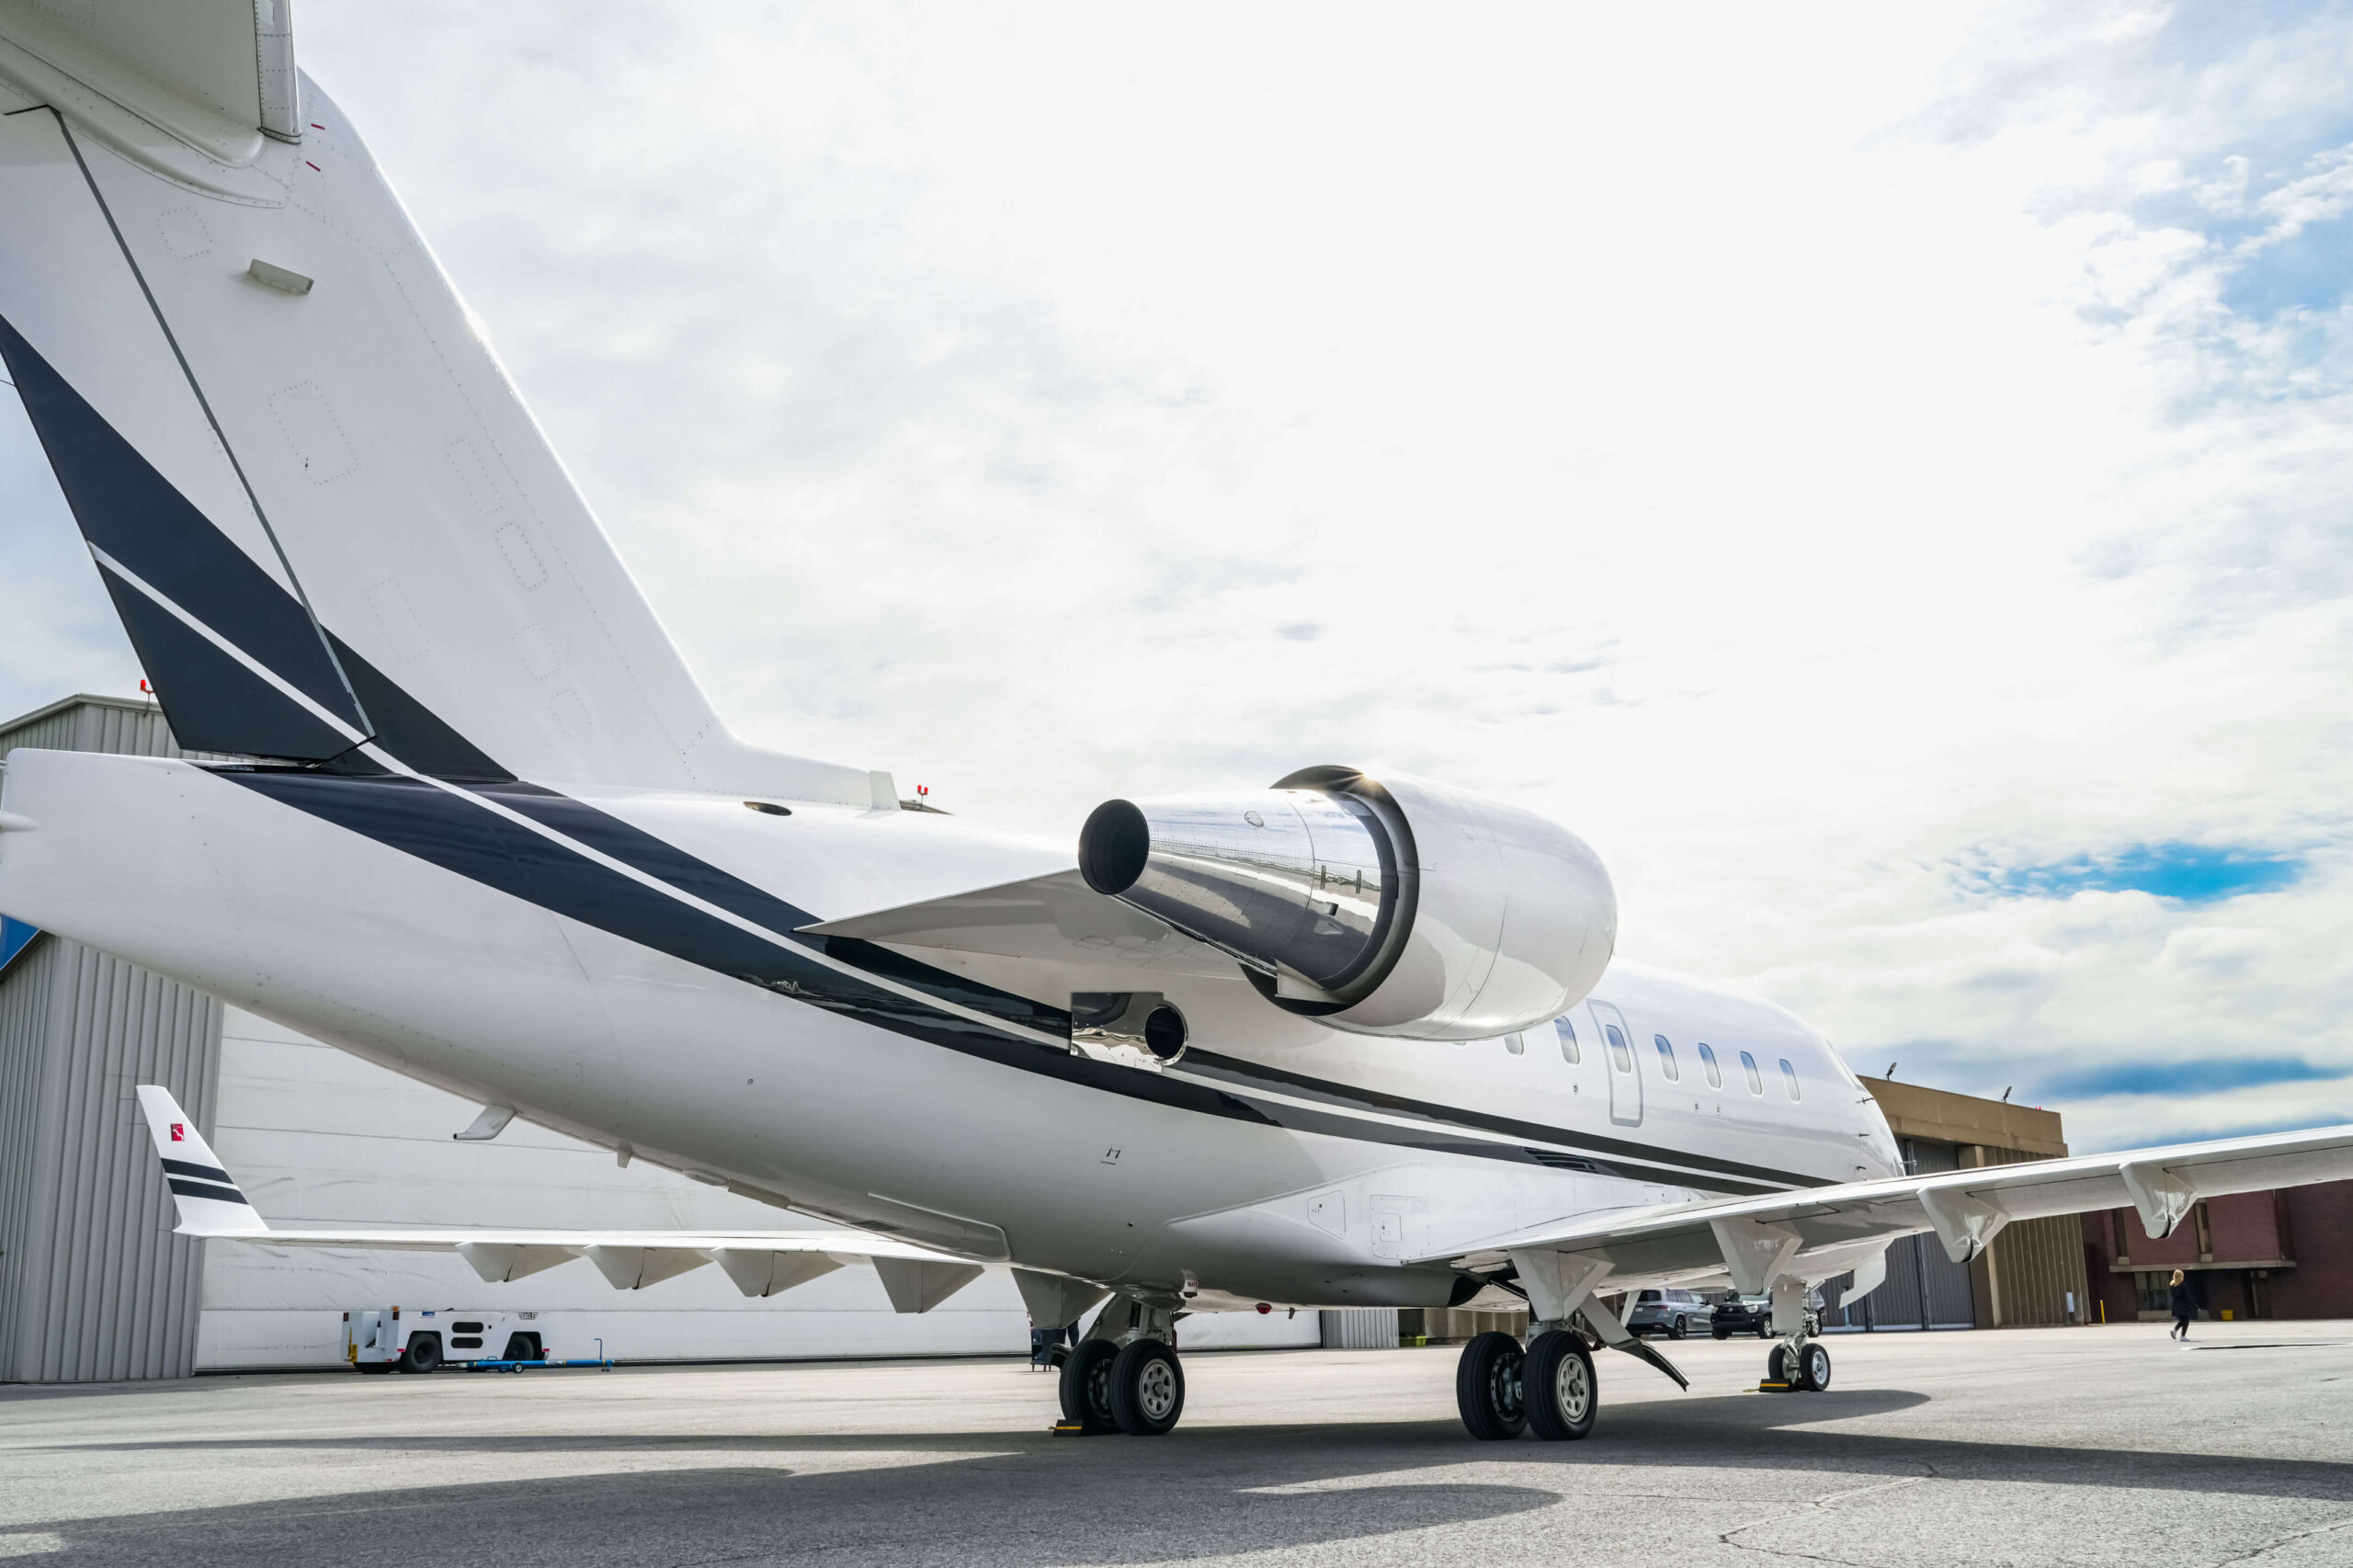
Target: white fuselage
565 966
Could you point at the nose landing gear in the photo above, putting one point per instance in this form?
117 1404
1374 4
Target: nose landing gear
1797 1366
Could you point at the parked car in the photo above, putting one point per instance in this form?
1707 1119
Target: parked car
1671 1312
1754 1314
1741 1315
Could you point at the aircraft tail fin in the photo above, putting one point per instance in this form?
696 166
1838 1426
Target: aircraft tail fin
210 1200
324 515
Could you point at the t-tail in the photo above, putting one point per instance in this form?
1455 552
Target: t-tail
333 533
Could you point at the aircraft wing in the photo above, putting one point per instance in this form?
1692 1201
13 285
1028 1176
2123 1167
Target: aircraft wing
761 1263
1818 1233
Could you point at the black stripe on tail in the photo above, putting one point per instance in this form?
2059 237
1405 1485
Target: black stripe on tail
134 514
187 1189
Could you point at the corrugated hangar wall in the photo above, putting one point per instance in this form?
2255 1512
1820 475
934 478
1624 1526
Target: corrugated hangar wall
93 1286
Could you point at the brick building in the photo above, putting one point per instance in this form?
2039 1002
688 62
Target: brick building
2253 1254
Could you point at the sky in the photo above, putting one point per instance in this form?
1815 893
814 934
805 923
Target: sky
1881 474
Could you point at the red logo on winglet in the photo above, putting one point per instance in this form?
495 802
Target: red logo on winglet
179 1133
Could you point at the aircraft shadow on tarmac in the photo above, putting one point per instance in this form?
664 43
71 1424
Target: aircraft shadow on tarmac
1035 1502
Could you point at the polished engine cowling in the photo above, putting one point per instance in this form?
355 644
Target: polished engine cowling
1387 906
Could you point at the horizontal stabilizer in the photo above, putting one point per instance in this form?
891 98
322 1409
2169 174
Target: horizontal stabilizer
215 74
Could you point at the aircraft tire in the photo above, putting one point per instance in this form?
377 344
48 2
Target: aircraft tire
1087 1386
1147 1390
1559 1388
423 1354
1813 1368
1487 1387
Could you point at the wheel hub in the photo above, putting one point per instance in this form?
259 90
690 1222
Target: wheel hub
1511 1392
1157 1391
1575 1384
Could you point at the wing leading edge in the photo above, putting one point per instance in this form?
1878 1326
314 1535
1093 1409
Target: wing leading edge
1819 1232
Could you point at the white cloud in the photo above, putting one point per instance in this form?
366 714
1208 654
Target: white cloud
1809 453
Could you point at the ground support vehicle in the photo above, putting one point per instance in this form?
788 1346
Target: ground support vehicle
384 1339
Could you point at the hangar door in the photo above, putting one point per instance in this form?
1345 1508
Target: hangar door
1924 1288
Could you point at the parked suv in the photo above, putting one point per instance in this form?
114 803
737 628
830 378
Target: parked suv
1671 1312
1754 1314
1741 1315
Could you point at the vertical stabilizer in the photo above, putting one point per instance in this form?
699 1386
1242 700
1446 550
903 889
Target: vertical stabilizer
321 509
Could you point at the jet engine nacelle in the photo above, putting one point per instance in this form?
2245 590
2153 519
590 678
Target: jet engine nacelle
1388 906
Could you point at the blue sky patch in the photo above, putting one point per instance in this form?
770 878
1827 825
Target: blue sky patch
2215 1076
2190 873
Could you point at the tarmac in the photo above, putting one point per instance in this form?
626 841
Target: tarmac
2025 1447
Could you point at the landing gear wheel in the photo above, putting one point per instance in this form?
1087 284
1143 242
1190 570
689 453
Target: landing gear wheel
1487 1387
1557 1388
423 1355
1087 1386
1680 1330
1809 1370
1147 1389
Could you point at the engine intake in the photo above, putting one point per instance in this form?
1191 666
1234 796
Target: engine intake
1390 906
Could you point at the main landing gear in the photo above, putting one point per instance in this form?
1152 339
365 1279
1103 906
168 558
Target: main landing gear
1548 1388
1124 1376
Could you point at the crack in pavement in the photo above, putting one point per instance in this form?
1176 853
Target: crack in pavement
2269 1547
1827 1502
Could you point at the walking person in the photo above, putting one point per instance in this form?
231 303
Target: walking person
2184 1308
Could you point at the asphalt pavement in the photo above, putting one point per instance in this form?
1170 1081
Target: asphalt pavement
2061 1446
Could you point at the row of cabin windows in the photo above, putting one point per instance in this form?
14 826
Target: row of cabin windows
1621 1056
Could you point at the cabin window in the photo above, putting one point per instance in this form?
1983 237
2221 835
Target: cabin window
1788 1077
1756 1079
1665 1057
1516 1044
1568 1033
1708 1059
1621 1055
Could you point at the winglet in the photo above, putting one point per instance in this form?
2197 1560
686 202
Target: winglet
208 1200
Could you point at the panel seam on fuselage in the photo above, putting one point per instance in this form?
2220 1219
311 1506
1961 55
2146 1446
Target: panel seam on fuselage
205 404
